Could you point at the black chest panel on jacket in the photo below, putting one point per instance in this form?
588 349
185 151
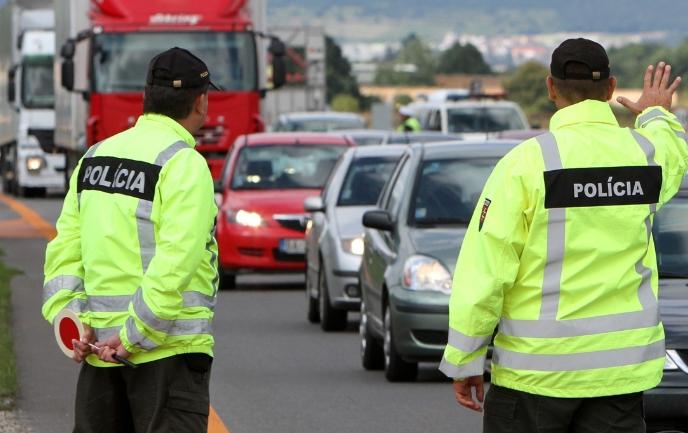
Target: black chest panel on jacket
608 186
119 176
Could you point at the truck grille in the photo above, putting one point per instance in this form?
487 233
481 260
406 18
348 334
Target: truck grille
209 135
292 222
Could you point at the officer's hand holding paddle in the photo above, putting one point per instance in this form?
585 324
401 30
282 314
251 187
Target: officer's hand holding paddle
111 347
658 90
463 390
82 348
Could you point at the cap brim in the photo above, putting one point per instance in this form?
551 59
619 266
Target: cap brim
211 84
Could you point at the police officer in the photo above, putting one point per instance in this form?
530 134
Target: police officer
135 257
408 122
559 256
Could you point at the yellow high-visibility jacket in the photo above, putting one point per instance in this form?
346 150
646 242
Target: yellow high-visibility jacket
135 252
559 257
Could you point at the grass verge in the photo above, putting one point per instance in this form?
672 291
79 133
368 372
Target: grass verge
8 371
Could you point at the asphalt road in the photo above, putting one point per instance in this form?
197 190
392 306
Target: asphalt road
273 372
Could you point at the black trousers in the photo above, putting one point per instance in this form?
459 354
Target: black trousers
510 411
169 395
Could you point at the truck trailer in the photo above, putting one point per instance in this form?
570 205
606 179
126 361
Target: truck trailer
30 163
105 47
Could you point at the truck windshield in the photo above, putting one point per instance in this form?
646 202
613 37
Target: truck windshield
285 166
37 82
483 119
120 60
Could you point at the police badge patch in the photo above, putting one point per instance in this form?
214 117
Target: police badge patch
483 214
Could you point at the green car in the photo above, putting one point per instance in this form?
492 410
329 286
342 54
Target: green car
411 244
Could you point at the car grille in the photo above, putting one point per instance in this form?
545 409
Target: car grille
683 353
435 338
209 135
284 257
292 222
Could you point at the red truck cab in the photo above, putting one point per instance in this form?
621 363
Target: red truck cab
261 220
117 39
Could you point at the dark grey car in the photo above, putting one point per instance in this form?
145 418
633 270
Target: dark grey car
411 244
666 407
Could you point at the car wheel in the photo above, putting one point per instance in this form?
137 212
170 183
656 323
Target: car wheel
331 319
372 356
396 369
313 313
227 280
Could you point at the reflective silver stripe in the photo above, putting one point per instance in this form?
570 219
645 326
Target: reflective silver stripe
646 296
62 282
76 305
136 338
147 315
103 334
144 210
197 299
466 343
170 327
473 368
578 327
578 361
89 154
556 236
109 304
651 115
682 135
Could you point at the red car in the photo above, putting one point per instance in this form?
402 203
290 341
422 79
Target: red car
266 178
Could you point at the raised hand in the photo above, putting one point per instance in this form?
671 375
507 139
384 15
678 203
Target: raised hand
658 90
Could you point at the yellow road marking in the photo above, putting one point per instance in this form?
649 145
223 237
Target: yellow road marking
215 424
32 217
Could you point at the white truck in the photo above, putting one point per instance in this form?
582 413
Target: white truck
30 164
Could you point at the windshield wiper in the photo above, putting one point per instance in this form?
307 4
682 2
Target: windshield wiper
672 275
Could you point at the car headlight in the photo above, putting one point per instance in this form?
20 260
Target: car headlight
422 273
353 246
35 163
245 218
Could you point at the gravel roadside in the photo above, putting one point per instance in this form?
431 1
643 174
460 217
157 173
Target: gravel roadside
10 422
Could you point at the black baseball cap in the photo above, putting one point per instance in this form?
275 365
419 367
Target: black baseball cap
583 51
179 69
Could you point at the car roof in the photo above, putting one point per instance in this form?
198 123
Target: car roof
465 103
297 138
321 115
466 149
379 150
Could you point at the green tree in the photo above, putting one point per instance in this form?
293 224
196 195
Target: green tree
628 63
340 79
418 55
526 86
462 59
345 103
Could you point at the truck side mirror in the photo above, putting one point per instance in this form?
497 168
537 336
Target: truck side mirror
12 85
67 74
279 63
68 49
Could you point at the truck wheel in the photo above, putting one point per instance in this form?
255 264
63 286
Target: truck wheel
396 369
227 280
372 356
331 319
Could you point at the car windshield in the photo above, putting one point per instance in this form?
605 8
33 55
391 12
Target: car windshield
670 232
365 179
37 82
448 190
285 166
320 124
120 60
484 119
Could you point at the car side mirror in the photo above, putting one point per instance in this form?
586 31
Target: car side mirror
314 204
279 63
378 219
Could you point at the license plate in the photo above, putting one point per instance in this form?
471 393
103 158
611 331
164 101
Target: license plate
293 246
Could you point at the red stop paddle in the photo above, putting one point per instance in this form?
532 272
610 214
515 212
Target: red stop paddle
68 327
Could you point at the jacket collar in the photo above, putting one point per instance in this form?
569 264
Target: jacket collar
588 111
159 120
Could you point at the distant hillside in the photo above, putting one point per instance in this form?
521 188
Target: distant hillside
391 19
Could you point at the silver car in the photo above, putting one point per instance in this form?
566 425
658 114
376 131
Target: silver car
334 236
318 121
